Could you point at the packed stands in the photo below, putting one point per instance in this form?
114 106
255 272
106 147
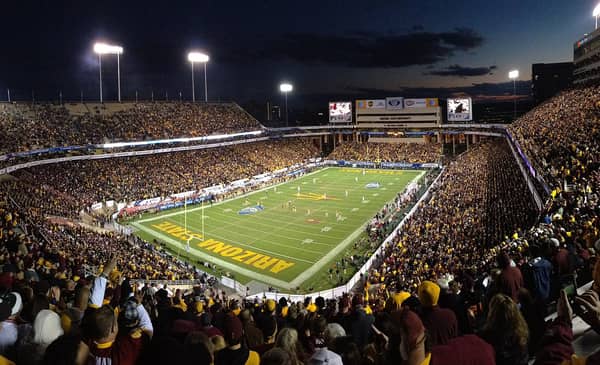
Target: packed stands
387 152
26 127
466 282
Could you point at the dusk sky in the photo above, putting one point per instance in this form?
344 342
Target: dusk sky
322 47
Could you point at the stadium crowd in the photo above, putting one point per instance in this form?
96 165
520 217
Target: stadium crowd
387 152
467 281
27 127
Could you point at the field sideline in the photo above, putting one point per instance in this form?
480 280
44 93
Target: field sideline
282 235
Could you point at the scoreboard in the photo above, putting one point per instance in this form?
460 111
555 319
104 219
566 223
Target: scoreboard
340 112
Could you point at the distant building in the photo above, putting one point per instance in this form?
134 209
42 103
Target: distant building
586 57
548 79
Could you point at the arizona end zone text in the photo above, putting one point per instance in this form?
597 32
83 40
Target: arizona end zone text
246 257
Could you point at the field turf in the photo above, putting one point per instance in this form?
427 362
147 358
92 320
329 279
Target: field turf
290 231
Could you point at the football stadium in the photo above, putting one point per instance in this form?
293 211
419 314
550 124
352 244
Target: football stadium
242 183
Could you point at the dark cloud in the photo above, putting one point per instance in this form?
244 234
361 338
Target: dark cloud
359 49
475 90
462 71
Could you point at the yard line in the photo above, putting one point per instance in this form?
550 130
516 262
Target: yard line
246 245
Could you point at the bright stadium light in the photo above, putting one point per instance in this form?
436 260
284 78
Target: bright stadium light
199 57
102 49
596 14
514 75
285 88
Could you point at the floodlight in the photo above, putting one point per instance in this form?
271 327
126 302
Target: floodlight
596 11
286 87
514 74
197 57
103 48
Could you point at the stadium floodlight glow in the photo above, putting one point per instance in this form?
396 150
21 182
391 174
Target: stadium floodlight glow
199 57
102 49
596 14
213 137
514 75
285 88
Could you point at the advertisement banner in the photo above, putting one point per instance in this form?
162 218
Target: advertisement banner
394 103
421 103
370 104
96 206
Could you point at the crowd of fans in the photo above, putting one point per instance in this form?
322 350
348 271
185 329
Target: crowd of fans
468 280
27 127
388 152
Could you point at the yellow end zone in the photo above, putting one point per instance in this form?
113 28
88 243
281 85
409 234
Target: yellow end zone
230 252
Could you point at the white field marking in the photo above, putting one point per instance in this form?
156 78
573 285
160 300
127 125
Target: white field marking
218 261
308 273
227 210
304 183
397 178
384 189
268 222
226 201
251 238
278 192
375 194
326 229
365 201
308 240
390 183
254 248
354 210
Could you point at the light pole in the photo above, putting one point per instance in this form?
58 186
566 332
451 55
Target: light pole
194 57
596 14
514 75
101 49
285 88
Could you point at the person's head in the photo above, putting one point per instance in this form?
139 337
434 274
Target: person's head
288 339
66 350
429 293
102 324
503 260
333 331
412 332
232 330
505 321
276 356
269 329
218 343
46 327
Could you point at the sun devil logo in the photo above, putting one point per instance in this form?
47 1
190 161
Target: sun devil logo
251 210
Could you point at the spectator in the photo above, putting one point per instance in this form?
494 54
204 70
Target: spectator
234 353
506 330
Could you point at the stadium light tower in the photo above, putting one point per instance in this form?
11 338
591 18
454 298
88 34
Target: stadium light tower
101 49
514 75
194 57
596 14
285 88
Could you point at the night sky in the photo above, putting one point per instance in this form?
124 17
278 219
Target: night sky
325 48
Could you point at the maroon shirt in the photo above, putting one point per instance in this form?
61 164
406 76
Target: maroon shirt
510 281
464 350
441 324
124 351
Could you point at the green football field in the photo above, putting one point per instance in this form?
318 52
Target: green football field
285 234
